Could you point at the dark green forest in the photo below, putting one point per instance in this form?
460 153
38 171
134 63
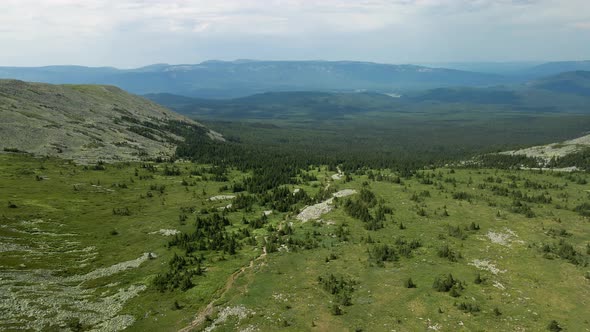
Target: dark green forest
374 130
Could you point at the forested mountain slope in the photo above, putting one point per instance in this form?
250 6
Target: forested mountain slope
575 82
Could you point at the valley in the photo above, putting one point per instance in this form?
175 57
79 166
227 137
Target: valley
433 126
306 211
329 166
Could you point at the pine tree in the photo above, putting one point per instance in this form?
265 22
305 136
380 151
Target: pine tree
336 310
409 283
478 280
554 326
186 283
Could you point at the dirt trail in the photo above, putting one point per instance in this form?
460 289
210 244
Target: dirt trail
201 316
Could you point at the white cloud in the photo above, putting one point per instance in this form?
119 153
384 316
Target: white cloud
52 29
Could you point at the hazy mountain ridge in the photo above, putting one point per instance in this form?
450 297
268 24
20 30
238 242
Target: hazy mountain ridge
556 67
567 92
232 79
88 123
221 79
576 82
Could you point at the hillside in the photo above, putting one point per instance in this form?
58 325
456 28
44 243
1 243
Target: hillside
533 97
554 150
165 247
88 123
552 68
221 79
575 82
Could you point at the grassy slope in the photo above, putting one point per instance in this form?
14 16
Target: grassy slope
536 289
87 213
283 287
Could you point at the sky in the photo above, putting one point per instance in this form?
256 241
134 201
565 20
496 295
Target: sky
133 33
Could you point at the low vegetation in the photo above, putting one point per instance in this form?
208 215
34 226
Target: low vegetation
446 247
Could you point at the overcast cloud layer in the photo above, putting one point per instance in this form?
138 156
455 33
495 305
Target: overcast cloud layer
131 33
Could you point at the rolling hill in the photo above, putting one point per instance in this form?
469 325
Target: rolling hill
552 68
307 104
563 93
88 123
576 82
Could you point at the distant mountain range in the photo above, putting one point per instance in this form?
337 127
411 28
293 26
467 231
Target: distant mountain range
88 123
566 92
220 79
517 68
231 79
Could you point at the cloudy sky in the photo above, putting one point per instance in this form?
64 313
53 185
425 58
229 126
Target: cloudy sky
130 33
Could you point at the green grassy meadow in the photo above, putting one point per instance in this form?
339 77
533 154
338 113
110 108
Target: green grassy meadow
61 221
